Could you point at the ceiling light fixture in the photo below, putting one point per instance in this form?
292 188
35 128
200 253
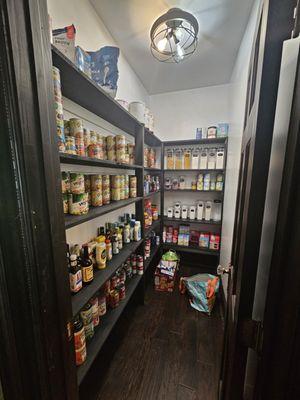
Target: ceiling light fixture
174 36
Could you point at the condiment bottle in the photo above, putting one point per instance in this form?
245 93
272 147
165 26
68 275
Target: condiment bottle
101 253
137 231
75 274
108 249
115 245
120 237
126 234
87 267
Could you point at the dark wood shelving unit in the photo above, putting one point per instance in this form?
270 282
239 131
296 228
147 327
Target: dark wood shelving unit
94 212
147 196
150 139
191 249
151 228
192 221
105 327
77 160
147 262
89 95
101 276
152 169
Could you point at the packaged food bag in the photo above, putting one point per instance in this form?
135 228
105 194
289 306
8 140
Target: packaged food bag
104 67
202 288
83 61
165 273
64 41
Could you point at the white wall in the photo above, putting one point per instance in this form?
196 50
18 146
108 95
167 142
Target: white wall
238 93
91 35
179 114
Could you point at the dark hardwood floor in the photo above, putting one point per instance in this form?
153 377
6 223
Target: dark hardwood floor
164 351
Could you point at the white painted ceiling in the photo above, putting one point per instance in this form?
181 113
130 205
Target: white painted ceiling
222 25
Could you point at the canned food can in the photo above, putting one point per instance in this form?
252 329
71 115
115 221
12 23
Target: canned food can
95 311
65 182
102 305
120 155
132 192
96 182
65 203
76 127
80 355
86 314
107 288
87 183
114 282
105 196
122 291
116 181
105 182
132 182
86 138
110 143
76 183
97 199
116 194
93 151
78 204
70 147
114 299
111 155
67 128
120 141
93 137
89 330
80 148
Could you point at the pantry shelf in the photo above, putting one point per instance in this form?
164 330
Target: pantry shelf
152 169
150 139
151 228
192 221
77 160
195 142
146 196
152 255
195 170
101 276
190 249
193 191
105 327
79 88
94 212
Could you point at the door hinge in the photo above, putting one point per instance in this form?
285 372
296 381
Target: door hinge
251 334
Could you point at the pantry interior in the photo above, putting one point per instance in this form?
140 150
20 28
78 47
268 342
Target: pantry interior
167 180
132 187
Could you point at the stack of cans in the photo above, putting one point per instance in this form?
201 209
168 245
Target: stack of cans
59 110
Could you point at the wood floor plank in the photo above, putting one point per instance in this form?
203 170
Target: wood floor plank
168 351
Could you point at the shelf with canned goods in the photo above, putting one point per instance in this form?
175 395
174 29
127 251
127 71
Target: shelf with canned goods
79 88
94 212
78 160
105 327
101 276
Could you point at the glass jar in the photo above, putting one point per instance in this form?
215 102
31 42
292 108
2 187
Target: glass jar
187 158
178 159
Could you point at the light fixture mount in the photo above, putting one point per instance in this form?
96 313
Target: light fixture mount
174 36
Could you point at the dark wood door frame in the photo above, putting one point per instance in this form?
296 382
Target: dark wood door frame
276 26
32 230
